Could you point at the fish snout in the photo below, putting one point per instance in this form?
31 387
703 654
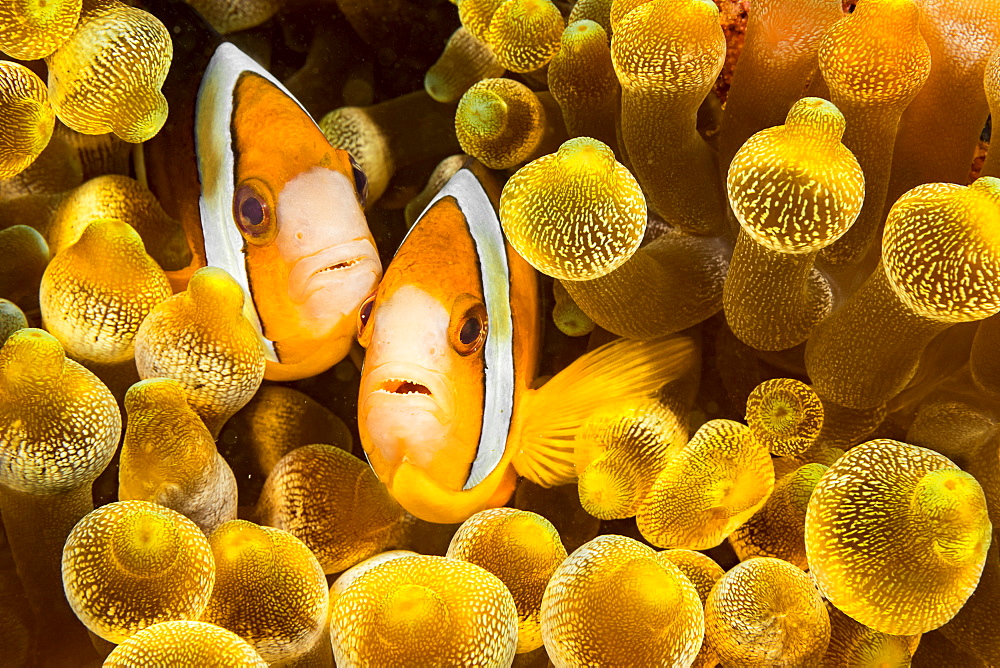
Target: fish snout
403 414
353 265
404 381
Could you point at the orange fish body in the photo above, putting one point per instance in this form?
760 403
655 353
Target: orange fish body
271 202
447 410
475 343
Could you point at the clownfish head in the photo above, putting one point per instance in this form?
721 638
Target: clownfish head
282 212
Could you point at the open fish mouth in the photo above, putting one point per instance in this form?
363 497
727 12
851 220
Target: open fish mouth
403 386
346 264
393 385
341 262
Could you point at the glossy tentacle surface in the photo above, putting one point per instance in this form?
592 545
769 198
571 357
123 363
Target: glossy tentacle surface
96 293
107 76
183 644
905 555
521 548
667 55
132 564
28 118
169 457
393 612
269 590
201 338
875 62
940 257
795 189
59 429
576 214
612 602
332 502
766 612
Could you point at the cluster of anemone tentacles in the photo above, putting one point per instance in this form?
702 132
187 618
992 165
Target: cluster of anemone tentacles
797 184
105 61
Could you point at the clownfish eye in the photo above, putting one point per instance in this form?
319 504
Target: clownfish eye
364 317
360 182
252 212
471 331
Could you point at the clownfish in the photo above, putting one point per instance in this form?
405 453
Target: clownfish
262 194
449 412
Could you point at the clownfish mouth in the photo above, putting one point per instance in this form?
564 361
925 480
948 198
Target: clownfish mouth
341 263
394 387
338 266
402 386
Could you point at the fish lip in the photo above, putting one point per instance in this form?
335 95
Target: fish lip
402 386
343 259
428 385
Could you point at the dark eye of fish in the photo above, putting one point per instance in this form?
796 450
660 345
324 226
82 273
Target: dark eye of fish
360 182
251 211
470 331
467 332
365 314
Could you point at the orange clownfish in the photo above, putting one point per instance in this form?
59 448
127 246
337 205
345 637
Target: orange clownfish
270 201
448 411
